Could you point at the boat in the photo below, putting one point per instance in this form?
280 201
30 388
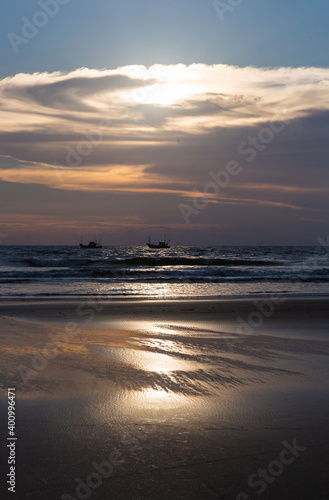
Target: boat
162 244
91 244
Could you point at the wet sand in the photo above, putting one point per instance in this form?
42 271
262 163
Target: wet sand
168 399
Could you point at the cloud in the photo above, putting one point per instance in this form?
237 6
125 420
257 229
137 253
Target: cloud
231 95
70 93
162 130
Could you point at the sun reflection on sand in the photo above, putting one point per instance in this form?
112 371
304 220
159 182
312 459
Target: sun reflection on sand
164 407
158 396
142 359
145 405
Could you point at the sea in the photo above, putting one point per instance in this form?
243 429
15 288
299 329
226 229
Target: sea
179 272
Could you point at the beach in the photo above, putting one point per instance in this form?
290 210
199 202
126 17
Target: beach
164 250
164 399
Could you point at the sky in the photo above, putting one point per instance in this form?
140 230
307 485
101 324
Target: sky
204 120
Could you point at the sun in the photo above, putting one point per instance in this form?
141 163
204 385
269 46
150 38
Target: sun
160 93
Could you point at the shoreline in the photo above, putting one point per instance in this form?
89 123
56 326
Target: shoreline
106 297
4 301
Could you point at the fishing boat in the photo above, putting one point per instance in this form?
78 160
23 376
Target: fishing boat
162 244
91 244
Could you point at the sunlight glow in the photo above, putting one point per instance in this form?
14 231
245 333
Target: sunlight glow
162 94
167 94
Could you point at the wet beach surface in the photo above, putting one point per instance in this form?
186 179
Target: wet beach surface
171 398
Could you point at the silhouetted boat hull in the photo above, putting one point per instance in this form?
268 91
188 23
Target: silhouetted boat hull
161 244
91 244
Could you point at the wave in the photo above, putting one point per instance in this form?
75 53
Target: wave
150 262
196 261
